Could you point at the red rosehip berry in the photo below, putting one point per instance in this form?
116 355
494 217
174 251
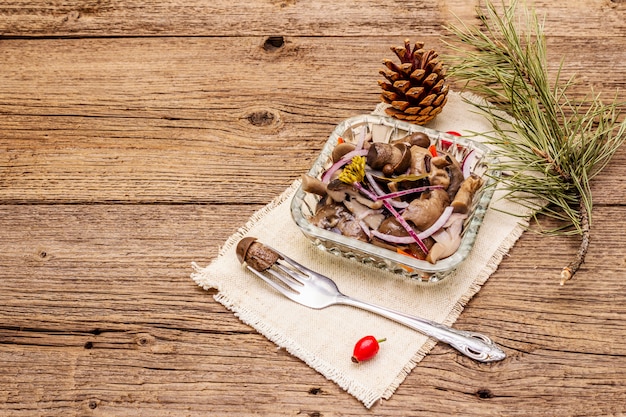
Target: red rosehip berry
366 348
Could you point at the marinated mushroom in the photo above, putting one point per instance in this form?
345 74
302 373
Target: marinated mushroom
391 226
378 155
441 161
255 254
439 176
328 214
313 185
420 160
340 191
447 240
331 215
415 139
351 227
390 159
425 211
399 165
444 249
456 179
371 217
463 198
341 150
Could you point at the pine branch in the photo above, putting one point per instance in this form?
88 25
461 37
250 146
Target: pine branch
551 146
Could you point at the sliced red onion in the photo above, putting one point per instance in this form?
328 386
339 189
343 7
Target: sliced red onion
379 191
456 227
381 195
401 193
406 226
373 183
434 229
365 191
356 152
439 223
466 164
451 231
333 168
365 228
455 217
347 158
400 240
441 236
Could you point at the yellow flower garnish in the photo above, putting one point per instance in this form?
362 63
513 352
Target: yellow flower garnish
354 171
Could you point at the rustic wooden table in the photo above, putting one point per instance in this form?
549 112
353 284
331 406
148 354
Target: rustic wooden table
135 137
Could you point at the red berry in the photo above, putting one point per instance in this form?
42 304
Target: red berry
366 349
445 144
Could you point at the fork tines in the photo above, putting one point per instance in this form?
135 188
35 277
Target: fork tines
287 275
284 275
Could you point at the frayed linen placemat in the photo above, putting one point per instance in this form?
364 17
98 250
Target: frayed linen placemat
324 339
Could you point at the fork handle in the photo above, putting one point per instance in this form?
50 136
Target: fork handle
472 344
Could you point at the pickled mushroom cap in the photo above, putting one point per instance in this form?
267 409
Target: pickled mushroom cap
242 248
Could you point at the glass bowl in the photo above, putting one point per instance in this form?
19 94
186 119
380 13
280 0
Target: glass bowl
386 129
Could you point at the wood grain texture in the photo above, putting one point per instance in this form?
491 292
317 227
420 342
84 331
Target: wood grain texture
95 18
135 137
108 317
100 120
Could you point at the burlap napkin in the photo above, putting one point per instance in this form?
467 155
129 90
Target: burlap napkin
324 339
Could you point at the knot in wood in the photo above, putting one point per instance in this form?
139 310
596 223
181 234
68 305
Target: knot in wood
484 393
273 43
262 118
144 340
42 254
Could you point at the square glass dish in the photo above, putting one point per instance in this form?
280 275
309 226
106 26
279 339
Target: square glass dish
474 154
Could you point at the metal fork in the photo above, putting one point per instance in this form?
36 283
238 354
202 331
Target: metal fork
317 291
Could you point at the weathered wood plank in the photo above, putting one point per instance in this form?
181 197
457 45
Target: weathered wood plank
99 315
217 18
107 121
314 18
167 78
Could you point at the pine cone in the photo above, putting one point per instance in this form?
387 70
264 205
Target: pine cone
416 88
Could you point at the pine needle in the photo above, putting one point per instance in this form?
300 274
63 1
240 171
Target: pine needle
550 146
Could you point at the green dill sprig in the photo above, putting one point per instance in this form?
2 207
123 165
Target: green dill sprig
550 146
